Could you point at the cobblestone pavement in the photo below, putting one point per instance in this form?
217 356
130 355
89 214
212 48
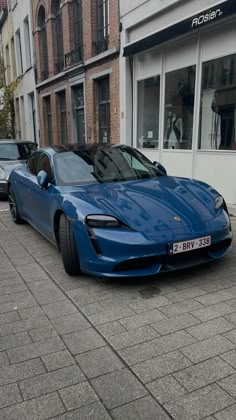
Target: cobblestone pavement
87 348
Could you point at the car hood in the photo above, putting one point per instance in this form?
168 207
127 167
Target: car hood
152 204
9 165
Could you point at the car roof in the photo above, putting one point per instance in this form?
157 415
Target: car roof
9 141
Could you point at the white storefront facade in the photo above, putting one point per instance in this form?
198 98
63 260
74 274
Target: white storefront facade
26 106
178 87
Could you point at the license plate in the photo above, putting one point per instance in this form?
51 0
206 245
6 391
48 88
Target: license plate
186 246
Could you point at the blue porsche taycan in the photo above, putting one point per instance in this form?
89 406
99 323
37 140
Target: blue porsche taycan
112 212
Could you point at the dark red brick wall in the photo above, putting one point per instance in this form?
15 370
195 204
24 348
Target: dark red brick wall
112 62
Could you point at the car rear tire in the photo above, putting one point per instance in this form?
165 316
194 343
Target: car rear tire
68 249
13 207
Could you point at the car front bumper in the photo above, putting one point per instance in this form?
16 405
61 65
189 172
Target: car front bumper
130 254
3 187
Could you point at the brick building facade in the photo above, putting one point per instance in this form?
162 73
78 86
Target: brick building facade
77 63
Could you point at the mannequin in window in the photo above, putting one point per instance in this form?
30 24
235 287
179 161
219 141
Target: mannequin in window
174 129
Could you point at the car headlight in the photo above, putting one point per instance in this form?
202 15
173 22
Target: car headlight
2 173
102 221
219 201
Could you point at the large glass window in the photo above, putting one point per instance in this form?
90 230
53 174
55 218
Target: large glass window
58 37
218 104
78 113
43 43
179 108
48 118
148 112
102 26
62 114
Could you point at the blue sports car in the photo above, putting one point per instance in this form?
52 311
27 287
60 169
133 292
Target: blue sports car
112 212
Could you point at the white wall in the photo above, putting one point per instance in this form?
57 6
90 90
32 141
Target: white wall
22 10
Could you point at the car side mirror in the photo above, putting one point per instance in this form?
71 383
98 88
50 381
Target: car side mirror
161 168
43 179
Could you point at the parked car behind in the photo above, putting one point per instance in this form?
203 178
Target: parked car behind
12 154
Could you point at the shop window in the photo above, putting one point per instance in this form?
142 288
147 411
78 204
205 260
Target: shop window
48 118
179 108
62 116
78 113
104 110
148 112
218 104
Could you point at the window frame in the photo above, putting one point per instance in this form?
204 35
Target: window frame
104 103
102 26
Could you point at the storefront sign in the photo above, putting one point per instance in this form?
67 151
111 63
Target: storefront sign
208 16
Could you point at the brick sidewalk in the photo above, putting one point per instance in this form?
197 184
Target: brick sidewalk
88 348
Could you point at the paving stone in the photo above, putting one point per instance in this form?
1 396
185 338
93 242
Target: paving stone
4 361
14 340
29 313
51 381
174 324
20 326
214 311
231 317
118 388
9 395
206 349
231 335
94 411
217 297
91 309
31 351
142 409
217 284
199 404
156 347
41 408
111 328
161 366
85 340
166 389
40 334
70 323
181 308
210 328
99 362
227 414
132 337
203 374
142 319
107 316
46 292
11 289
20 371
190 292
78 395
149 304
229 384
58 360
59 309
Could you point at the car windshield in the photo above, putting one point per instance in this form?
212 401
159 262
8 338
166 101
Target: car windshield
101 165
16 151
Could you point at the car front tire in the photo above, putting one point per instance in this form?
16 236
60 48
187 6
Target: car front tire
13 207
68 249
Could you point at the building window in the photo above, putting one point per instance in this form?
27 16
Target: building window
102 26
78 113
76 54
17 119
148 112
22 117
33 114
27 43
8 67
58 37
104 110
13 57
62 116
43 43
218 104
19 53
48 118
179 108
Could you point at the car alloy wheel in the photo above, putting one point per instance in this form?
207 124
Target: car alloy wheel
13 207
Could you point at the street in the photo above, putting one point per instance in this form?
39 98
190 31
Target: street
90 348
3 205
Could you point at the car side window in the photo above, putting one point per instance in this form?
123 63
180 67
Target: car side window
32 163
45 165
